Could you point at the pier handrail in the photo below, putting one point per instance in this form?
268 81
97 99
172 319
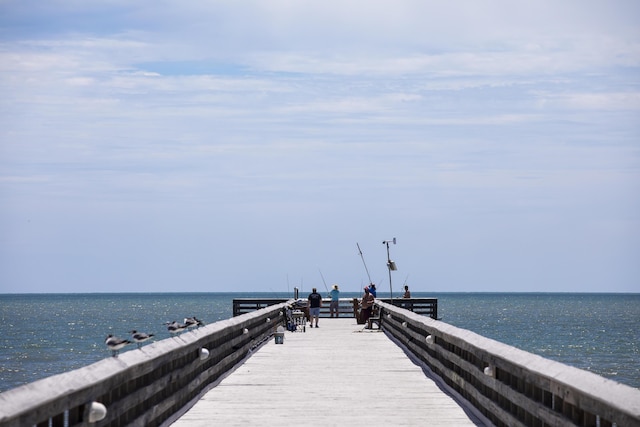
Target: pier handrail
247 305
424 306
146 387
509 386
347 307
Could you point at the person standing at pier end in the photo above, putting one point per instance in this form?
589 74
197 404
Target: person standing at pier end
372 290
407 295
366 305
335 301
407 292
315 302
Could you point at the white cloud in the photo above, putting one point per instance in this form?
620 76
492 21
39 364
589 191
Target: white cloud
628 101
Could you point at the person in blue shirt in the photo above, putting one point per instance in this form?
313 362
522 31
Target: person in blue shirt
335 300
372 289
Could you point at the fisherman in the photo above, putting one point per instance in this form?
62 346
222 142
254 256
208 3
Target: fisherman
407 292
315 302
372 289
335 301
366 305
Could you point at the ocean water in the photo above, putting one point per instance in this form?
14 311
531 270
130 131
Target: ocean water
596 332
46 334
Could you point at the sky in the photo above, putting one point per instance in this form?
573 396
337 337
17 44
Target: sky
222 146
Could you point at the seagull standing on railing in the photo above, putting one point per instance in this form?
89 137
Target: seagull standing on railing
175 327
140 337
193 322
115 344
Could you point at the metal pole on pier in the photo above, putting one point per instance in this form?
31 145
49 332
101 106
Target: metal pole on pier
390 264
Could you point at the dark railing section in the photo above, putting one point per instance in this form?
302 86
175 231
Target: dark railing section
247 305
423 306
508 386
348 307
151 386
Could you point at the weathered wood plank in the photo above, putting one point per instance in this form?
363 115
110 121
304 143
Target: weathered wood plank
338 374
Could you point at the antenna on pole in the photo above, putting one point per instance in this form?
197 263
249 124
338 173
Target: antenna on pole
390 264
365 264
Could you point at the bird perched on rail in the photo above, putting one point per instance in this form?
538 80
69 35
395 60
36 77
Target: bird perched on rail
140 337
115 344
193 322
175 327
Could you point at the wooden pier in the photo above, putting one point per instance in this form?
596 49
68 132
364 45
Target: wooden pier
338 374
415 371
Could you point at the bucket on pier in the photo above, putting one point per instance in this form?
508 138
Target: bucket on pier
279 335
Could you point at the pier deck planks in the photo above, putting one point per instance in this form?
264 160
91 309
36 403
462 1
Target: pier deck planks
335 375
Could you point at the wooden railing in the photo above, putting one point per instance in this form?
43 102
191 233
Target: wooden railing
508 386
423 306
348 307
147 387
247 305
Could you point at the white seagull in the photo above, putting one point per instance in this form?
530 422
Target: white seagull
115 344
140 337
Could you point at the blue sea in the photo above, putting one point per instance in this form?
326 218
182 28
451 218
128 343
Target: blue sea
46 334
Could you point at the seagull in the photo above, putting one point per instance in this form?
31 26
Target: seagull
192 322
175 327
140 337
115 344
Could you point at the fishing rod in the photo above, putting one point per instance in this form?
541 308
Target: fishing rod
325 283
365 264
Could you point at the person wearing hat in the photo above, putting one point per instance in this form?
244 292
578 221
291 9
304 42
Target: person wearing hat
366 305
372 289
335 300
